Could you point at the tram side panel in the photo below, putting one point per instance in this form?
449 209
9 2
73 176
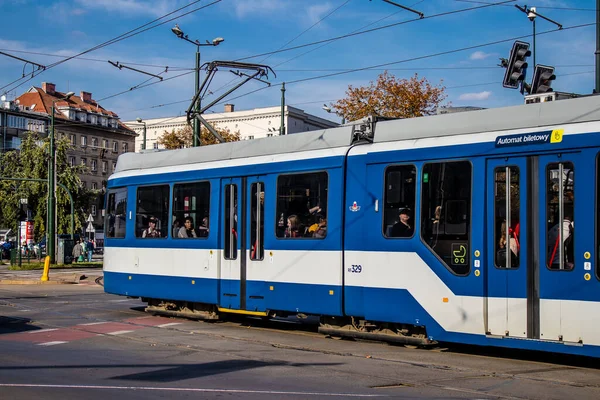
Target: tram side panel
408 278
159 268
304 273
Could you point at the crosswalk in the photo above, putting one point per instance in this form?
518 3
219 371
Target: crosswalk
46 337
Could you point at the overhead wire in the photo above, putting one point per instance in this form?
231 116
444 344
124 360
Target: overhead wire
415 58
128 34
377 29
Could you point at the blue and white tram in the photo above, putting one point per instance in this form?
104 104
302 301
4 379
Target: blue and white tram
308 224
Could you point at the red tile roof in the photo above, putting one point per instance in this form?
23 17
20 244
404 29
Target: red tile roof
40 101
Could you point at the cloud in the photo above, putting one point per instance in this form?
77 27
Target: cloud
475 96
480 55
316 12
244 8
127 7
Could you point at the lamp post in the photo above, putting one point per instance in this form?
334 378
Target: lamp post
51 212
329 110
215 42
140 121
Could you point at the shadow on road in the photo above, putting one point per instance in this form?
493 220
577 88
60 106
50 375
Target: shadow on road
16 325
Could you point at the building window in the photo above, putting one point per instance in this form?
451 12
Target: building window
83 141
84 161
399 201
155 145
446 213
95 185
191 209
72 161
302 205
250 137
73 139
125 147
105 143
94 165
116 212
104 166
114 166
93 211
152 212
115 148
560 206
94 142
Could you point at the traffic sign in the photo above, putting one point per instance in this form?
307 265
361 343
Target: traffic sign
90 228
90 218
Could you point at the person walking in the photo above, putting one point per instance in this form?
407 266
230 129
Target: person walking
77 252
90 250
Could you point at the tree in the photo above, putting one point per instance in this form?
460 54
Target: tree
391 97
31 161
183 137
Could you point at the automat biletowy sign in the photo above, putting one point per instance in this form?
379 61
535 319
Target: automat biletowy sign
524 139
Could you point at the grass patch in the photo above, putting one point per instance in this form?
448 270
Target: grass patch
40 265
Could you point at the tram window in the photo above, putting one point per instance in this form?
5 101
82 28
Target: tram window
231 218
446 213
399 200
191 207
116 213
302 206
560 206
257 224
152 212
506 214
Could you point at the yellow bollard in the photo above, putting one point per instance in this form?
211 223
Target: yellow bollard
46 269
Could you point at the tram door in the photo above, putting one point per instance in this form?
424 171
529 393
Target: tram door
509 297
242 244
233 264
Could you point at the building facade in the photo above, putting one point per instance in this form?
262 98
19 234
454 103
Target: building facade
251 124
97 135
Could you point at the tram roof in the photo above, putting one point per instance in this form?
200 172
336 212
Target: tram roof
298 142
555 113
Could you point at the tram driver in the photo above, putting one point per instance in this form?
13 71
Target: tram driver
402 228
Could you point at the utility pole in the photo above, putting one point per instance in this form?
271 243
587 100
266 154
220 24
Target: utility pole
282 128
597 89
196 136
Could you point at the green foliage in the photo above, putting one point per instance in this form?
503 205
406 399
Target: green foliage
31 161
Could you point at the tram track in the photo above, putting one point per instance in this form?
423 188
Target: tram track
310 332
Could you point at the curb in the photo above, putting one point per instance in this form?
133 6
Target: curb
34 282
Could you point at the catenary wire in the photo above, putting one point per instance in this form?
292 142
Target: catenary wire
376 29
126 35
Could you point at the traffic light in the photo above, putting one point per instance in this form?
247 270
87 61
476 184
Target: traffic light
517 67
542 79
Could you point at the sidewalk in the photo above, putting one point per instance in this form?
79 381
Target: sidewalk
57 276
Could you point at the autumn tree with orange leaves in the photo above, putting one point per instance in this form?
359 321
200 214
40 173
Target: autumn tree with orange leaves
391 97
178 139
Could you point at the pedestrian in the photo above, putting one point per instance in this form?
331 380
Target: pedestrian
77 252
90 250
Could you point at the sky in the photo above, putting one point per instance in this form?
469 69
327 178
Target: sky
457 44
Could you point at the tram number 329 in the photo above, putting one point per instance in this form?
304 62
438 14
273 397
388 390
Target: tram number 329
355 269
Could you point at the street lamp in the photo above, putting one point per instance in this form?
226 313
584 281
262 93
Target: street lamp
140 121
51 212
329 110
215 42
